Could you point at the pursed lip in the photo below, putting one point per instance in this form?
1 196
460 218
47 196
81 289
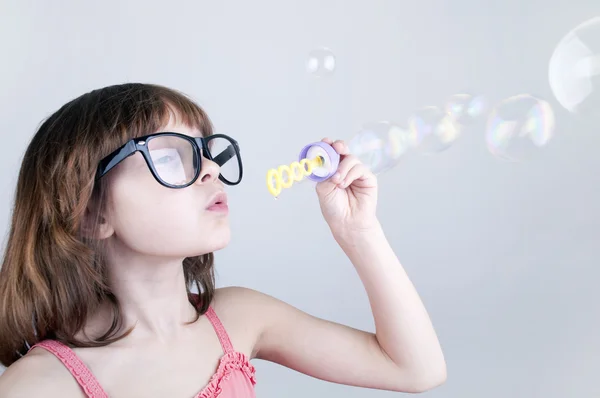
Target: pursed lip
218 201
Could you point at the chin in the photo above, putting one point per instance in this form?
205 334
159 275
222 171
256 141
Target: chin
216 242
221 244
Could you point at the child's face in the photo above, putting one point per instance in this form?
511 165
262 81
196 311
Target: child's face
154 220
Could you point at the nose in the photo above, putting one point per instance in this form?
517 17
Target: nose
209 171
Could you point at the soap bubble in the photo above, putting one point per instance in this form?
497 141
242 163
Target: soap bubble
321 62
431 130
574 70
518 127
465 108
380 145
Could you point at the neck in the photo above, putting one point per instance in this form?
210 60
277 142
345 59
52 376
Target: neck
152 296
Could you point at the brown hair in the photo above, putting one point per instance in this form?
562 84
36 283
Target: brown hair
53 278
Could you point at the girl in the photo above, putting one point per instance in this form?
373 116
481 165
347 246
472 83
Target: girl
119 206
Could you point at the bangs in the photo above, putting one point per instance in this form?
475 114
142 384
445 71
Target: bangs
187 114
146 111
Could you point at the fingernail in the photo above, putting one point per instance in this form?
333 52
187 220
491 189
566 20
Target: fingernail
336 177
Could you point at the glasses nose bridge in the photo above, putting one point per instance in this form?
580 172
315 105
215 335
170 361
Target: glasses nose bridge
201 147
207 164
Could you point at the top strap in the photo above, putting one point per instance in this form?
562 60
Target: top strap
220 329
75 366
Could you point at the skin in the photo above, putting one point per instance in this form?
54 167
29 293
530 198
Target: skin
148 237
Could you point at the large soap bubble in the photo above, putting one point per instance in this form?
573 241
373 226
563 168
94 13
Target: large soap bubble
519 127
380 145
574 70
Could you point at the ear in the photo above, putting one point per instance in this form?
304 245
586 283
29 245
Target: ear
95 224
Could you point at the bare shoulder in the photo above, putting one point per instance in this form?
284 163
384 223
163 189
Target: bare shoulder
238 296
38 373
245 312
237 303
253 307
243 302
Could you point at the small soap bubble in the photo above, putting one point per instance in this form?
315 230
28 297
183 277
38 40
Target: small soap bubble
574 70
380 145
321 62
432 130
518 127
464 109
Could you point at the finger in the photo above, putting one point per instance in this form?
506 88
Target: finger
341 147
344 167
327 140
357 172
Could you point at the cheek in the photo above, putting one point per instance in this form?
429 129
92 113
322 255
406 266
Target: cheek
165 222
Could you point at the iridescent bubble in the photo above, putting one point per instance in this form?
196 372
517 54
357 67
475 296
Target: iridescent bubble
321 62
574 70
465 108
380 145
518 127
431 130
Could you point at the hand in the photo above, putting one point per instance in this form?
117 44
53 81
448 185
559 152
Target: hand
348 199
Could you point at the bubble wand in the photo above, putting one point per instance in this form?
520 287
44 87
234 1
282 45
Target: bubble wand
317 161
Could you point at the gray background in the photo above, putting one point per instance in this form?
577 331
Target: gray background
501 253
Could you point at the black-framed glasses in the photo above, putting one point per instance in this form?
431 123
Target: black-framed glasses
175 159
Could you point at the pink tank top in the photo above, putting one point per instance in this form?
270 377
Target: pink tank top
234 376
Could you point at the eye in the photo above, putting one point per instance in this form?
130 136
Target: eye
164 160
